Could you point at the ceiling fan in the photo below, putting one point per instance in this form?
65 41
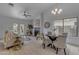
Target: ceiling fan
26 14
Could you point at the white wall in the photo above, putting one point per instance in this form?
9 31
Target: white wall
5 22
49 18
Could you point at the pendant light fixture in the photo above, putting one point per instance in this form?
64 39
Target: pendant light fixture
56 11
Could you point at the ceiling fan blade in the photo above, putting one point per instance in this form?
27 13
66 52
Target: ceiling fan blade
27 15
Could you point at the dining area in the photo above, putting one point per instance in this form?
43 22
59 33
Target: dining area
44 34
54 42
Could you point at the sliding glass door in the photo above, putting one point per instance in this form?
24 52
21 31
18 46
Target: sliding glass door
71 27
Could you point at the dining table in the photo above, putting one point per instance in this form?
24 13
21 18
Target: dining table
52 38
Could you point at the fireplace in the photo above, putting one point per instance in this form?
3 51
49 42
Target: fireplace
36 31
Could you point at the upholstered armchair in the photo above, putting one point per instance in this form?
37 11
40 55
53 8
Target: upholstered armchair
60 43
11 39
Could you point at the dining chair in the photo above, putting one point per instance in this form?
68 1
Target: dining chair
60 43
46 41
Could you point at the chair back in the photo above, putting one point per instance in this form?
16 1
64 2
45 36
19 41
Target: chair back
46 40
61 41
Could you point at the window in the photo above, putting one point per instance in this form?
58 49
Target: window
68 25
15 28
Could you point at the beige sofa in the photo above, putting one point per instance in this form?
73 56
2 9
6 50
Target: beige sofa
10 40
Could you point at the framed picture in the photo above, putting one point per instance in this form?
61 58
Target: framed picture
15 28
47 25
21 29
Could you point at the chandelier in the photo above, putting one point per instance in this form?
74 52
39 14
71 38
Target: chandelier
56 11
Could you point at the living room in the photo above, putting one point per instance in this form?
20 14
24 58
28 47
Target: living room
32 23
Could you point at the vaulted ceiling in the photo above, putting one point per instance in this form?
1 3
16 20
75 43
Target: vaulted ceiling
35 9
18 9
